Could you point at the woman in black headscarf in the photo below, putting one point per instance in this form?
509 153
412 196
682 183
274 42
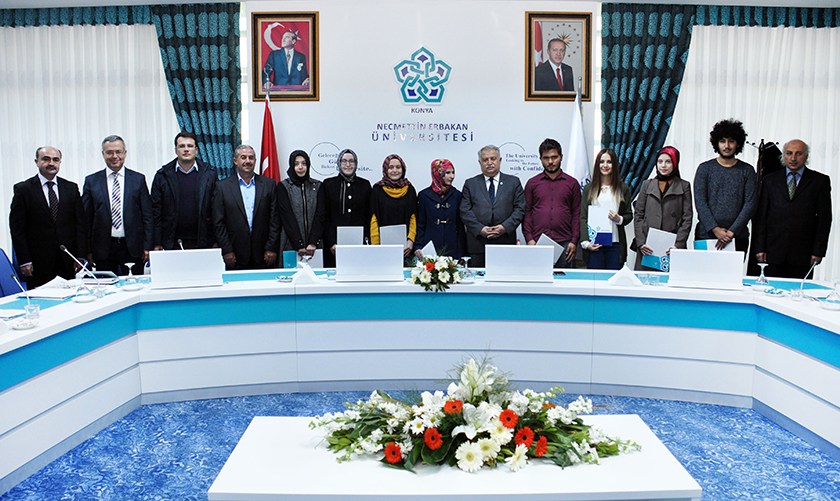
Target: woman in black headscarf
302 212
347 200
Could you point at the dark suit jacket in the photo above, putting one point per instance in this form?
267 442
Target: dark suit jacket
477 211
137 214
37 239
546 80
792 230
279 71
231 222
165 204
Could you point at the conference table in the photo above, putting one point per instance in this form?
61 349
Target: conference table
87 365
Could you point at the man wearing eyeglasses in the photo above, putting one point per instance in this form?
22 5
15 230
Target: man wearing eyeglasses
118 213
347 199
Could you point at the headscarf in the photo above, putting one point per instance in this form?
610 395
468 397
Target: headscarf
439 168
293 177
675 159
352 176
386 181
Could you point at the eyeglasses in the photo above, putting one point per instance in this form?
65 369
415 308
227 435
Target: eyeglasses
113 152
348 162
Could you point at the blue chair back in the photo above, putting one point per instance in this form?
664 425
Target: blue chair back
7 283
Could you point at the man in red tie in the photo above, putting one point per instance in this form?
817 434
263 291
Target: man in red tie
553 75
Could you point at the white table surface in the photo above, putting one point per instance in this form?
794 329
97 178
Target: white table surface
281 458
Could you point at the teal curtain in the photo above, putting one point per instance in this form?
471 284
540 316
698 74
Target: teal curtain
76 16
199 46
644 49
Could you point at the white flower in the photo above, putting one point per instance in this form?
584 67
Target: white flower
489 448
581 406
416 426
596 436
475 419
425 277
456 277
518 459
499 432
444 276
477 383
469 457
457 391
518 403
433 401
415 272
300 66
351 414
441 264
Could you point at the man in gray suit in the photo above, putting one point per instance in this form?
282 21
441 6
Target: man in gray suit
492 205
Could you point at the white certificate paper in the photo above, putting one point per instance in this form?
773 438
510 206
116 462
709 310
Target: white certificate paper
392 235
558 249
660 241
350 235
710 245
598 220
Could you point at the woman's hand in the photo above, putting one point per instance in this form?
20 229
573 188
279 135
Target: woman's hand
647 251
408 246
593 247
614 217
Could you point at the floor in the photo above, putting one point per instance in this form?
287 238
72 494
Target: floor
175 451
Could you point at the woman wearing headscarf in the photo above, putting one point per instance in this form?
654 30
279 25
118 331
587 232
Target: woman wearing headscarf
393 201
301 211
438 216
664 203
606 190
347 202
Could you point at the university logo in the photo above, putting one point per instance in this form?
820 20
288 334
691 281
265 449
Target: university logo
422 77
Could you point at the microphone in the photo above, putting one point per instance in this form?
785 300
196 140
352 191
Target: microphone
181 243
25 292
802 284
64 249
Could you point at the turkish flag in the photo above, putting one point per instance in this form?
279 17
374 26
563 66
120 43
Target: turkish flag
269 165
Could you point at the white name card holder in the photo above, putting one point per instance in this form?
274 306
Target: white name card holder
186 268
369 263
702 269
519 263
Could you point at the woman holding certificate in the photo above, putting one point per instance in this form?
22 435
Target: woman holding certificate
605 210
393 201
664 204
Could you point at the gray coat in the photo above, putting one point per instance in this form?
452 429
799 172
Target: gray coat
670 212
477 211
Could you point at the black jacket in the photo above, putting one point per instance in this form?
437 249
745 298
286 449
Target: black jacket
165 205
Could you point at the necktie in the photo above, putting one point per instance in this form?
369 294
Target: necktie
492 192
559 78
792 185
289 62
53 200
116 205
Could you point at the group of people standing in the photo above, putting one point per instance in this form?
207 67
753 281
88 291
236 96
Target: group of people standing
117 220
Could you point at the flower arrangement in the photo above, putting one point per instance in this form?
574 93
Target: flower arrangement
480 422
435 273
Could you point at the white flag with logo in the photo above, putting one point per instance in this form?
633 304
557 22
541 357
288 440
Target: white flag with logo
577 159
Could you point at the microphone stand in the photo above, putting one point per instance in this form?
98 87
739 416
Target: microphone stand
98 291
181 244
25 292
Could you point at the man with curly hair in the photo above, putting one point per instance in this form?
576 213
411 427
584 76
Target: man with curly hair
725 193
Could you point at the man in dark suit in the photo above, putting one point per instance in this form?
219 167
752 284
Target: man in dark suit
286 66
492 205
118 213
47 213
794 216
245 215
554 75
182 199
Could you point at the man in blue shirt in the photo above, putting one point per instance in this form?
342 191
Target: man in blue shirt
245 217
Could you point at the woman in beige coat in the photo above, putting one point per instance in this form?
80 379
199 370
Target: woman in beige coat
664 203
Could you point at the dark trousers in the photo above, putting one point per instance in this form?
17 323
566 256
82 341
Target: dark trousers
605 258
786 270
118 256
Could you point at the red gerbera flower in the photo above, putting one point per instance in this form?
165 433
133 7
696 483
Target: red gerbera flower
508 418
453 407
542 447
393 453
524 436
430 266
432 439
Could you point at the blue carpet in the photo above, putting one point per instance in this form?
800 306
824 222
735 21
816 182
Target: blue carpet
175 451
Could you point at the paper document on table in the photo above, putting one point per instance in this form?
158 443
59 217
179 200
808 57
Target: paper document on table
4 314
392 235
42 293
350 235
558 249
710 245
600 226
660 241
429 249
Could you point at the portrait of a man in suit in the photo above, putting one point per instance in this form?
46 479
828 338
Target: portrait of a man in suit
118 213
492 205
47 213
554 75
286 66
